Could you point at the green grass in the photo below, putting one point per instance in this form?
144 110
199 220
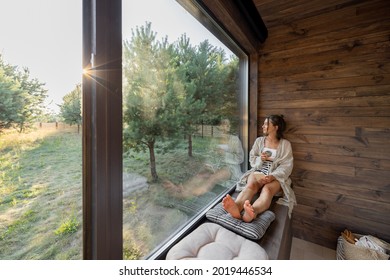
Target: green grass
41 195
148 219
40 183
69 226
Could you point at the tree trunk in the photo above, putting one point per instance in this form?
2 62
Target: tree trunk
152 158
189 145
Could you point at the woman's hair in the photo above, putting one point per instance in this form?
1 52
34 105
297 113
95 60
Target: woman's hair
278 120
225 121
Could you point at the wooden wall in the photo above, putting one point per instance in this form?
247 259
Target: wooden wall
326 67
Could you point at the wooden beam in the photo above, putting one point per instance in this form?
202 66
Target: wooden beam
227 14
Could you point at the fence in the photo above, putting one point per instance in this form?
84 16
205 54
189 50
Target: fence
202 130
208 131
56 125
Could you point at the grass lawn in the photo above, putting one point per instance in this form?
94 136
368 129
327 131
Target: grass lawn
41 195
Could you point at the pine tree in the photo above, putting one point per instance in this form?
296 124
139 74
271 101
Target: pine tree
149 93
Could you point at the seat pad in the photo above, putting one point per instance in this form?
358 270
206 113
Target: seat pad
211 241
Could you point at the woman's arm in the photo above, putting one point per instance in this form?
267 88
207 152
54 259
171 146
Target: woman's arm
285 163
235 153
255 153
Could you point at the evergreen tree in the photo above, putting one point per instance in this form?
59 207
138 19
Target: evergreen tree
149 92
170 89
191 106
229 94
204 74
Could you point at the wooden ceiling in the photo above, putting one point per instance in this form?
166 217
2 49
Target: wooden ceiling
283 12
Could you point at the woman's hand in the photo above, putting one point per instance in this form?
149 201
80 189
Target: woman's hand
264 156
267 179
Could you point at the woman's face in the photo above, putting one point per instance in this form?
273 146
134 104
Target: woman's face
225 126
268 127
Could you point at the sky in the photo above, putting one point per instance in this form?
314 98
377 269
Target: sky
46 36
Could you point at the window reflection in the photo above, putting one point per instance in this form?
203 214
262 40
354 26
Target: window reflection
180 136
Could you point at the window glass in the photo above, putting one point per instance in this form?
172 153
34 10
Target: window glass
182 122
40 135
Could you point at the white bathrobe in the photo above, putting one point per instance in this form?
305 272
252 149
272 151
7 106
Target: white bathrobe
281 169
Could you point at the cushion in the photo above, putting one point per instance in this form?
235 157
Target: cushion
253 230
211 241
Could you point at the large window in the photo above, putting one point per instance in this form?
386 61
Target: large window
183 123
163 134
151 162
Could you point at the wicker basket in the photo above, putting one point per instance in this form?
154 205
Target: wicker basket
349 251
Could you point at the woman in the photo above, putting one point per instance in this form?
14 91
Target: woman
228 152
271 160
224 165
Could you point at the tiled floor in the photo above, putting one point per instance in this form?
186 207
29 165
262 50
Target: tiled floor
303 250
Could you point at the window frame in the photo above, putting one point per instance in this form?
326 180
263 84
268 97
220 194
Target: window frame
102 129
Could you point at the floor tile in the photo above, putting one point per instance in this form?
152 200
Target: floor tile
304 250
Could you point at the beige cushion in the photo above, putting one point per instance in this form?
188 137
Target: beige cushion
213 242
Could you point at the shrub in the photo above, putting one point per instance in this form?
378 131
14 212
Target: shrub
69 226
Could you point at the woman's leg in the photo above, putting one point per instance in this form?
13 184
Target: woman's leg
203 185
263 202
235 207
198 184
252 187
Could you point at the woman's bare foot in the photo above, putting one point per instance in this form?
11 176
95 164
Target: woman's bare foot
249 212
175 190
168 185
231 207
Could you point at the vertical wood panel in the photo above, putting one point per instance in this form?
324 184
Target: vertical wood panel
326 67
